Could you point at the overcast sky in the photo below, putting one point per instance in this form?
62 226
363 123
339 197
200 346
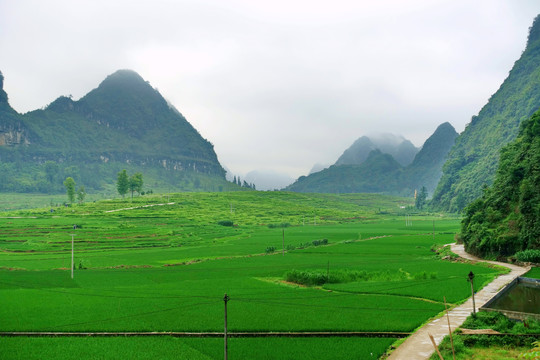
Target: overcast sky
277 85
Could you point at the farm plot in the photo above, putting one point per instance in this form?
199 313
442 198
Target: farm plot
179 283
34 348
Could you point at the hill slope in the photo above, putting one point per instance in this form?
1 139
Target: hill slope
123 123
381 172
506 219
426 168
472 162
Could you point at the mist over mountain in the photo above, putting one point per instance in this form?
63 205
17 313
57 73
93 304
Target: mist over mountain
380 172
472 162
426 168
268 179
123 123
318 167
400 148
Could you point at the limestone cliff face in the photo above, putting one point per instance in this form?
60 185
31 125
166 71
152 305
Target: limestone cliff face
10 136
12 130
122 124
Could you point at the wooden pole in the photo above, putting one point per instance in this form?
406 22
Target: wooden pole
449 329
225 299
473 304
435 346
72 250
283 242
471 279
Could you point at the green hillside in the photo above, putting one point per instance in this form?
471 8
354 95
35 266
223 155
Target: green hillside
381 173
123 123
472 162
506 219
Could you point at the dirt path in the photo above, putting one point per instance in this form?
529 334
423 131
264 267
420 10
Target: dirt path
419 347
138 207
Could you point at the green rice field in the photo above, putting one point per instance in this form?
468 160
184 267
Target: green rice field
164 264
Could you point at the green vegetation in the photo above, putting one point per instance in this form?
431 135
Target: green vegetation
69 183
497 347
506 219
163 264
533 273
320 277
472 162
193 349
122 124
529 255
379 172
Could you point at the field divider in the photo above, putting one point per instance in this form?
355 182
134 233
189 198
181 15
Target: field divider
139 207
368 334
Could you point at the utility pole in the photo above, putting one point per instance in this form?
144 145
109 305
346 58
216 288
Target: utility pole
226 298
471 279
283 242
72 264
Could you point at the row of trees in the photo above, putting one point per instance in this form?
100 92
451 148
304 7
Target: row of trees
125 183
237 181
69 183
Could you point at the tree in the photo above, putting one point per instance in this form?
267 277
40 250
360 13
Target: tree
81 194
135 183
69 183
122 183
421 198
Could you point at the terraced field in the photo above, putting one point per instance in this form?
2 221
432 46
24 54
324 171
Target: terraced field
155 265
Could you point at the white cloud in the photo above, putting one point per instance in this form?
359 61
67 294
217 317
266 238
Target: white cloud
281 84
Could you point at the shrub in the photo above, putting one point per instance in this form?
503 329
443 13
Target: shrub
319 277
306 277
270 249
282 225
319 242
529 255
226 223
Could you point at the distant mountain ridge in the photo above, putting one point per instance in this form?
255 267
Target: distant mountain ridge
381 172
124 122
472 162
400 148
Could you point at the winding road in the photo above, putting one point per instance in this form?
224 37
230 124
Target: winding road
419 347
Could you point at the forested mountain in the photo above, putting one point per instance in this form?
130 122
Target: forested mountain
426 168
381 173
402 150
506 219
123 123
472 162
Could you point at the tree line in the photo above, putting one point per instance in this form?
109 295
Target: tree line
124 184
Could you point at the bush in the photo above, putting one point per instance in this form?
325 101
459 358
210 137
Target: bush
319 277
306 277
270 249
226 223
282 225
529 255
319 242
